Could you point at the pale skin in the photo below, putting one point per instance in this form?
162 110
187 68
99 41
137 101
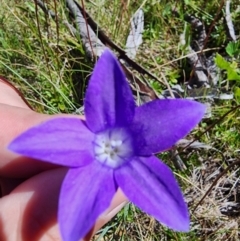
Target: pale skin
30 188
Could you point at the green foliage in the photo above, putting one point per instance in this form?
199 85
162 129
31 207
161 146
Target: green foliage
231 67
42 58
35 51
233 49
237 94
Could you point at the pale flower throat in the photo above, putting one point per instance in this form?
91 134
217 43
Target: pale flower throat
113 147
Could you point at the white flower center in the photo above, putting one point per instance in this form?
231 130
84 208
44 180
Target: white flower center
113 147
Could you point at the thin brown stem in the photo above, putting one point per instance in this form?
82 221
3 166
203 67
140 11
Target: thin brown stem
86 22
215 182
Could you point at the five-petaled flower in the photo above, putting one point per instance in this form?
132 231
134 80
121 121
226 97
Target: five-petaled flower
114 147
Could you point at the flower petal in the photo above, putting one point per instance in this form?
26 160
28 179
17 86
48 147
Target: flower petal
150 185
86 193
63 141
109 101
159 124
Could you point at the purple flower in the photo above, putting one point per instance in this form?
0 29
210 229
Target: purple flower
114 148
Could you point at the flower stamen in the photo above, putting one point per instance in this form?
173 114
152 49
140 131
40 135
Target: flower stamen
113 147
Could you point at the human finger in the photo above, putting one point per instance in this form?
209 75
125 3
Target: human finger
13 122
118 202
30 211
10 95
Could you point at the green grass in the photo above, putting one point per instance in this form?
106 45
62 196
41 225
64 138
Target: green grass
48 64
